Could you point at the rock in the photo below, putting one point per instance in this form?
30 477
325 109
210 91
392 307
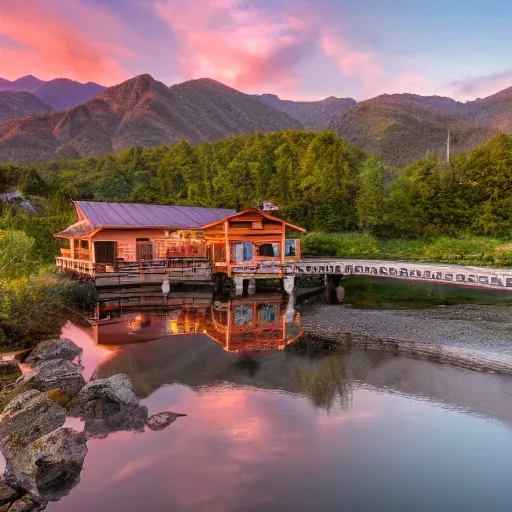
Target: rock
7 493
55 374
116 390
162 420
108 405
24 504
49 467
54 349
29 416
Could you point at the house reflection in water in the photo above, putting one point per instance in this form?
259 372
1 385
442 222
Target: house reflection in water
257 324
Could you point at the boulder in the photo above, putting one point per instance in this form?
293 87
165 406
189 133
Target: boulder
108 405
55 374
7 493
162 420
29 416
24 504
49 467
54 349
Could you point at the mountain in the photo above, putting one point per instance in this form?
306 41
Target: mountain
140 111
404 129
494 111
60 93
15 104
313 115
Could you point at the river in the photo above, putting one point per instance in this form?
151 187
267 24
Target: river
267 429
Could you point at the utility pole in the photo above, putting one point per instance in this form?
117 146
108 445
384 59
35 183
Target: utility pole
448 148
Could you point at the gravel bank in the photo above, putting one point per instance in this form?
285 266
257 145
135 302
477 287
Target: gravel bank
474 336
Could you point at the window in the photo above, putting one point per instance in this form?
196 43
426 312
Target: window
243 315
84 244
290 249
242 252
269 250
267 313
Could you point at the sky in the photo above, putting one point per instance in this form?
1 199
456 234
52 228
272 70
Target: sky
297 49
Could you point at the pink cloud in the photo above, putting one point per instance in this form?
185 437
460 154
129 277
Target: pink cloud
411 82
472 87
352 63
256 49
240 45
61 38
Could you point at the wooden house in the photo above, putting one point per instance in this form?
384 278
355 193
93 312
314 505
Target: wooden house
124 242
109 235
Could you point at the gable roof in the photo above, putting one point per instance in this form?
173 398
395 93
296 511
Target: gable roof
131 215
264 214
80 228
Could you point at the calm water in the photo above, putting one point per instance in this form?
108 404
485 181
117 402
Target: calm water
266 430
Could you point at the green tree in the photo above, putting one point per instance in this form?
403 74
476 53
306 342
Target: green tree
370 197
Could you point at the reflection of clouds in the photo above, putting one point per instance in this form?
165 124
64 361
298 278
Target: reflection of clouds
138 466
92 354
227 451
241 448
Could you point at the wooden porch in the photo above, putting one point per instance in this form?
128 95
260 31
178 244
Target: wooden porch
153 271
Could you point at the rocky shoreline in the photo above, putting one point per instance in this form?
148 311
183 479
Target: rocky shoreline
43 458
475 337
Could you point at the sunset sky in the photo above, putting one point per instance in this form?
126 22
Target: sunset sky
306 49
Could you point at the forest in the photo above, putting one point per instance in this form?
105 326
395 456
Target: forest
350 202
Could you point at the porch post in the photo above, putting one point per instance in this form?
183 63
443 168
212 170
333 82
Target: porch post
226 241
283 244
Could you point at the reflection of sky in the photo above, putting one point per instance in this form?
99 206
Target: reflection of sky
92 354
247 449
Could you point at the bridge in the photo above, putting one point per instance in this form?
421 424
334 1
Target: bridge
201 272
477 277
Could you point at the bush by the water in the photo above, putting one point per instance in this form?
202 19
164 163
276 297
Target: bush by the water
343 245
36 307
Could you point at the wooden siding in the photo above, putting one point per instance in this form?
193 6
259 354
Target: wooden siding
127 240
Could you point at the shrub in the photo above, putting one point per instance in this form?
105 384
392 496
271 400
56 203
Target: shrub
35 308
342 245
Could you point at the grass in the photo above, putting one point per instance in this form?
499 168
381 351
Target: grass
476 251
35 308
384 293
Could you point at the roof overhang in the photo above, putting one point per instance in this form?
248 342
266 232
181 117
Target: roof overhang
255 210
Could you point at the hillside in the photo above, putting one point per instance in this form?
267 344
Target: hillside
403 130
313 115
15 104
140 111
494 111
60 93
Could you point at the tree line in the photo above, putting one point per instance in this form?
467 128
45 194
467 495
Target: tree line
318 180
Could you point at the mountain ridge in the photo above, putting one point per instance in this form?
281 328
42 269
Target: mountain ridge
313 115
59 93
140 111
143 111
19 104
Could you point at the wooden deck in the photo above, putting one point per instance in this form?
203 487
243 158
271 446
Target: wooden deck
151 272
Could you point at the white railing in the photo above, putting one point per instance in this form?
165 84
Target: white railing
469 276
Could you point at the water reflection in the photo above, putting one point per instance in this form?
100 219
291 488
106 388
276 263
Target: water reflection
269 430
262 323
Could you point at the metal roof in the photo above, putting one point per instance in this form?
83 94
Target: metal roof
80 228
132 215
